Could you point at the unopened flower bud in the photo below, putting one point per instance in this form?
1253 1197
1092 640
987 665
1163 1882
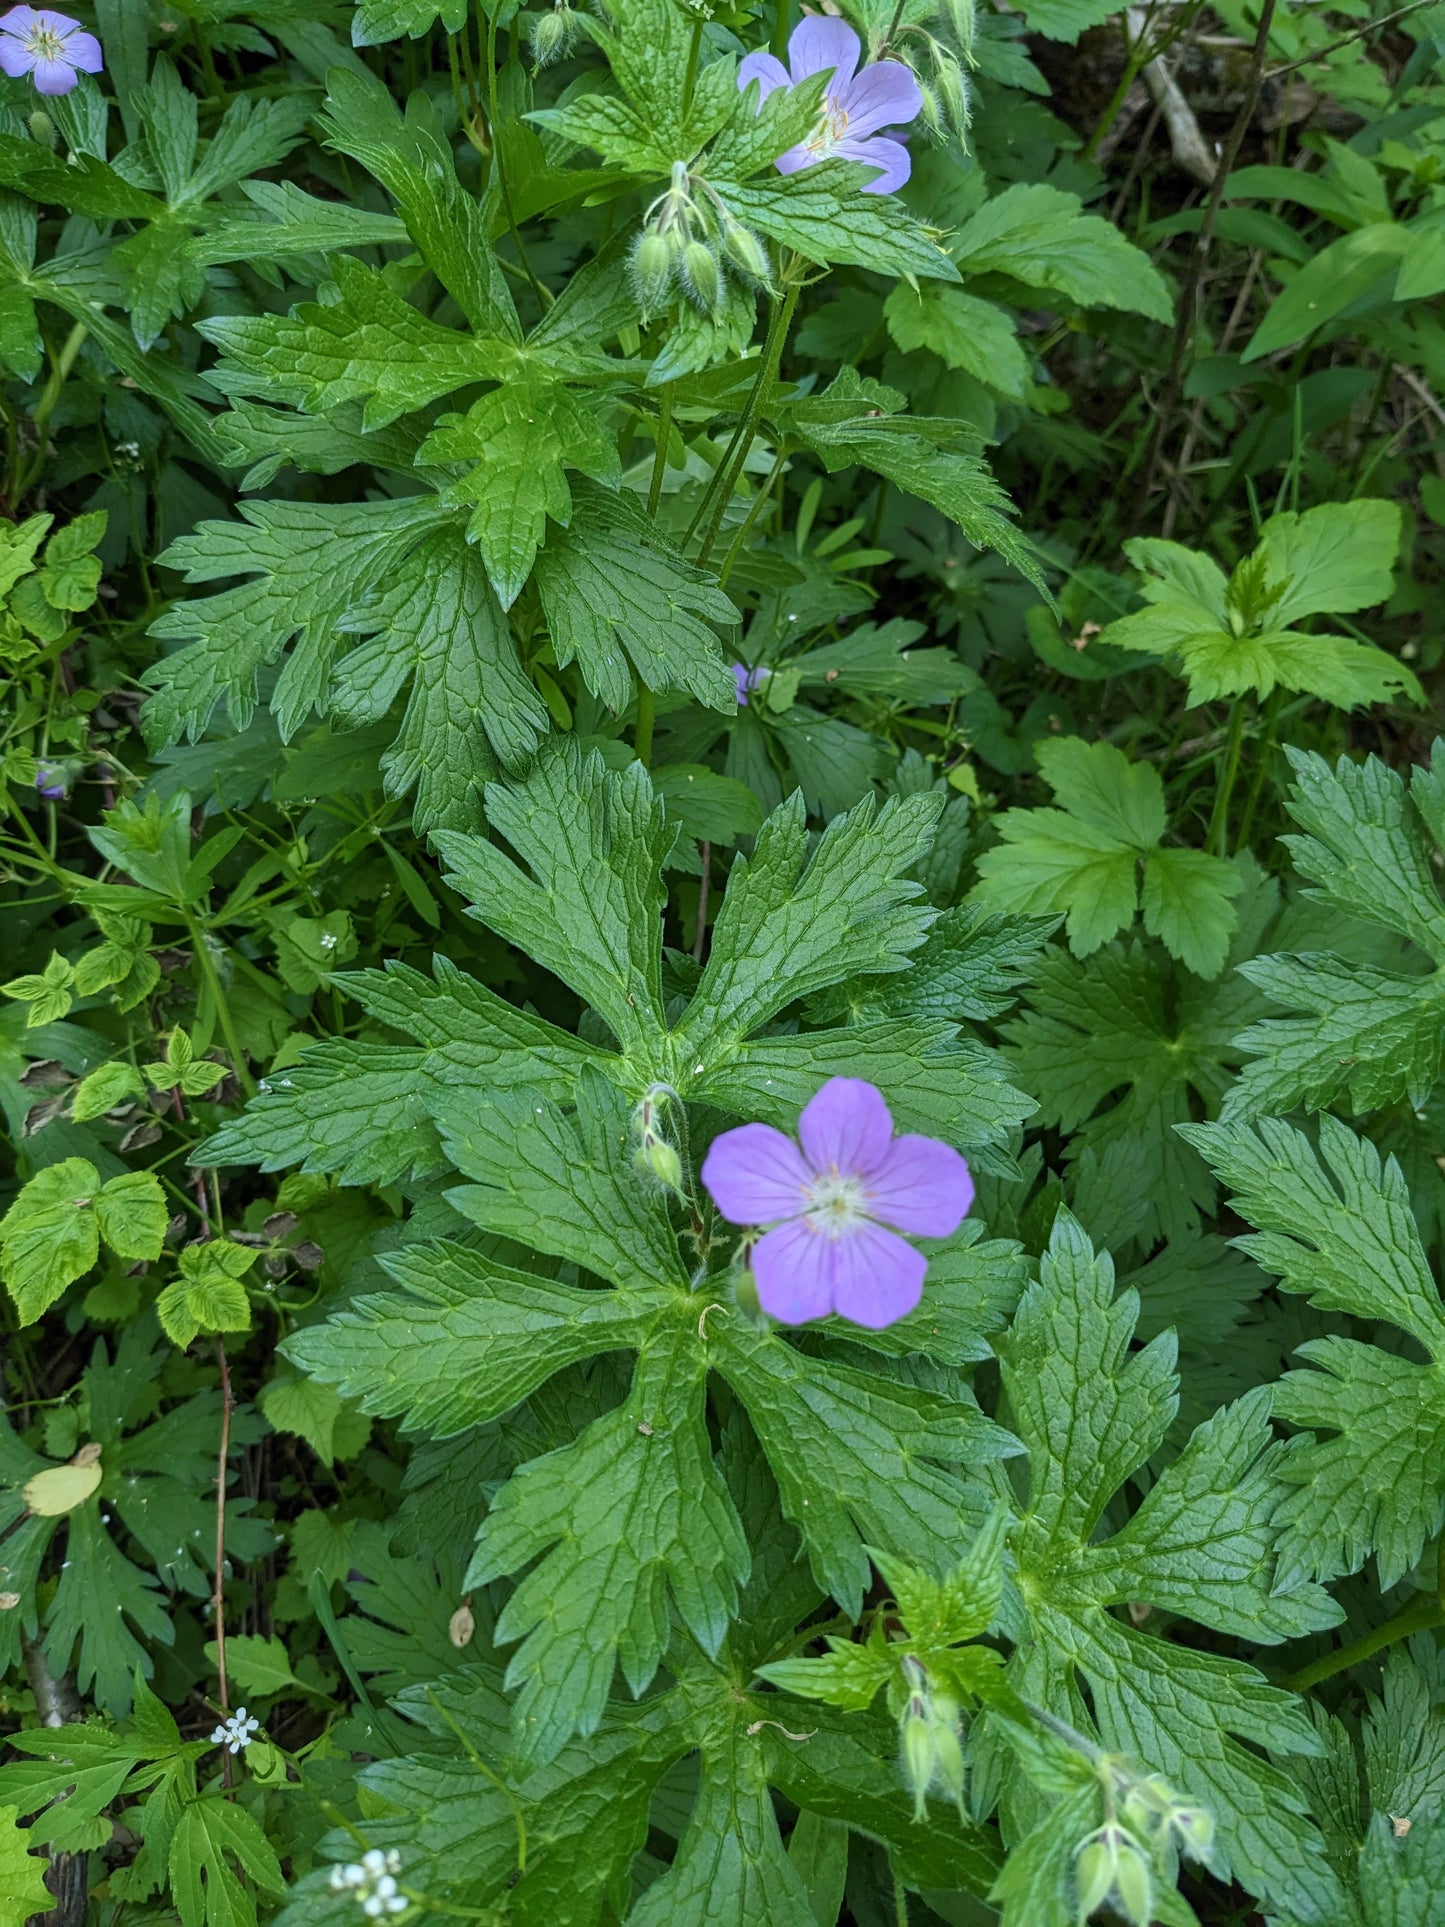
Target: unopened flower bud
1194 1830
746 1293
42 128
552 35
919 1759
702 275
952 89
745 251
1094 1874
651 269
948 1763
656 1156
1134 1883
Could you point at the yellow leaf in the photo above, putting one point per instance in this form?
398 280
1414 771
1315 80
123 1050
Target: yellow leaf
61 1488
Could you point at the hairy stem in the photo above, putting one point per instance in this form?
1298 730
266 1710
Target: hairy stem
218 1596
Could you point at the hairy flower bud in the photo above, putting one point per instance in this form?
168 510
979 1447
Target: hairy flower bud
553 34
1134 1883
657 1156
702 276
1094 1874
919 1757
651 269
948 1763
745 251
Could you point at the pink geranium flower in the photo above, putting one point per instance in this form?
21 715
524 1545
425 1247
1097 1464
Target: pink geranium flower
50 46
829 1202
855 107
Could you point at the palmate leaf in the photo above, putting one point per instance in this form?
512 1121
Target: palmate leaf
1203 1543
369 345
618 599
1085 858
1233 637
434 623
363 1110
1335 1225
312 563
516 444
397 573
1372 1036
591 909
1118 1052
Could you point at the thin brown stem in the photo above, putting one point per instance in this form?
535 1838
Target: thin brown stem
1189 299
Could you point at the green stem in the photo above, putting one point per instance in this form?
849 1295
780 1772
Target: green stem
760 501
45 408
1418 1617
900 1901
223 1008
642 728
689 82
659 461
1263 753
733 465
1133 66
493 127
1218 837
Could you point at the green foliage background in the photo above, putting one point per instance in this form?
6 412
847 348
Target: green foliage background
384 832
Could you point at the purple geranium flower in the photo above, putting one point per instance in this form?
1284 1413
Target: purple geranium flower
50 781
827 1249
51 46
855 107
746 680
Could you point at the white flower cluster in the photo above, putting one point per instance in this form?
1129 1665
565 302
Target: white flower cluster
372 1880
236 1731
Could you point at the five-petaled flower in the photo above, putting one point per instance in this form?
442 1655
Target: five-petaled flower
856 106
51 47
829 1202
371 1881
236 1730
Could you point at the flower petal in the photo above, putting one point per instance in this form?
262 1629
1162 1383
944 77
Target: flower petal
767 69
15 57
796 159
18 20
877 1278
819 43
60 23
892 156
883 95
847 1127
794 1269
755 1175
54 76
83 50
922 1186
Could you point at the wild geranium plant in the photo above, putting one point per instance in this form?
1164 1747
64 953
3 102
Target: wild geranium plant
721 1031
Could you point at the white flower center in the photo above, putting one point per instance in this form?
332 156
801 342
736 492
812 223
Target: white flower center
46 43
830 129
836 1204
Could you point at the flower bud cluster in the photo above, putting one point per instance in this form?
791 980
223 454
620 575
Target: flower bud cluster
1147 1828
372 1883
690 239
930 1740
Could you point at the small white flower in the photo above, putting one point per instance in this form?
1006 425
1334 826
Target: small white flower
236 1731
328 940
